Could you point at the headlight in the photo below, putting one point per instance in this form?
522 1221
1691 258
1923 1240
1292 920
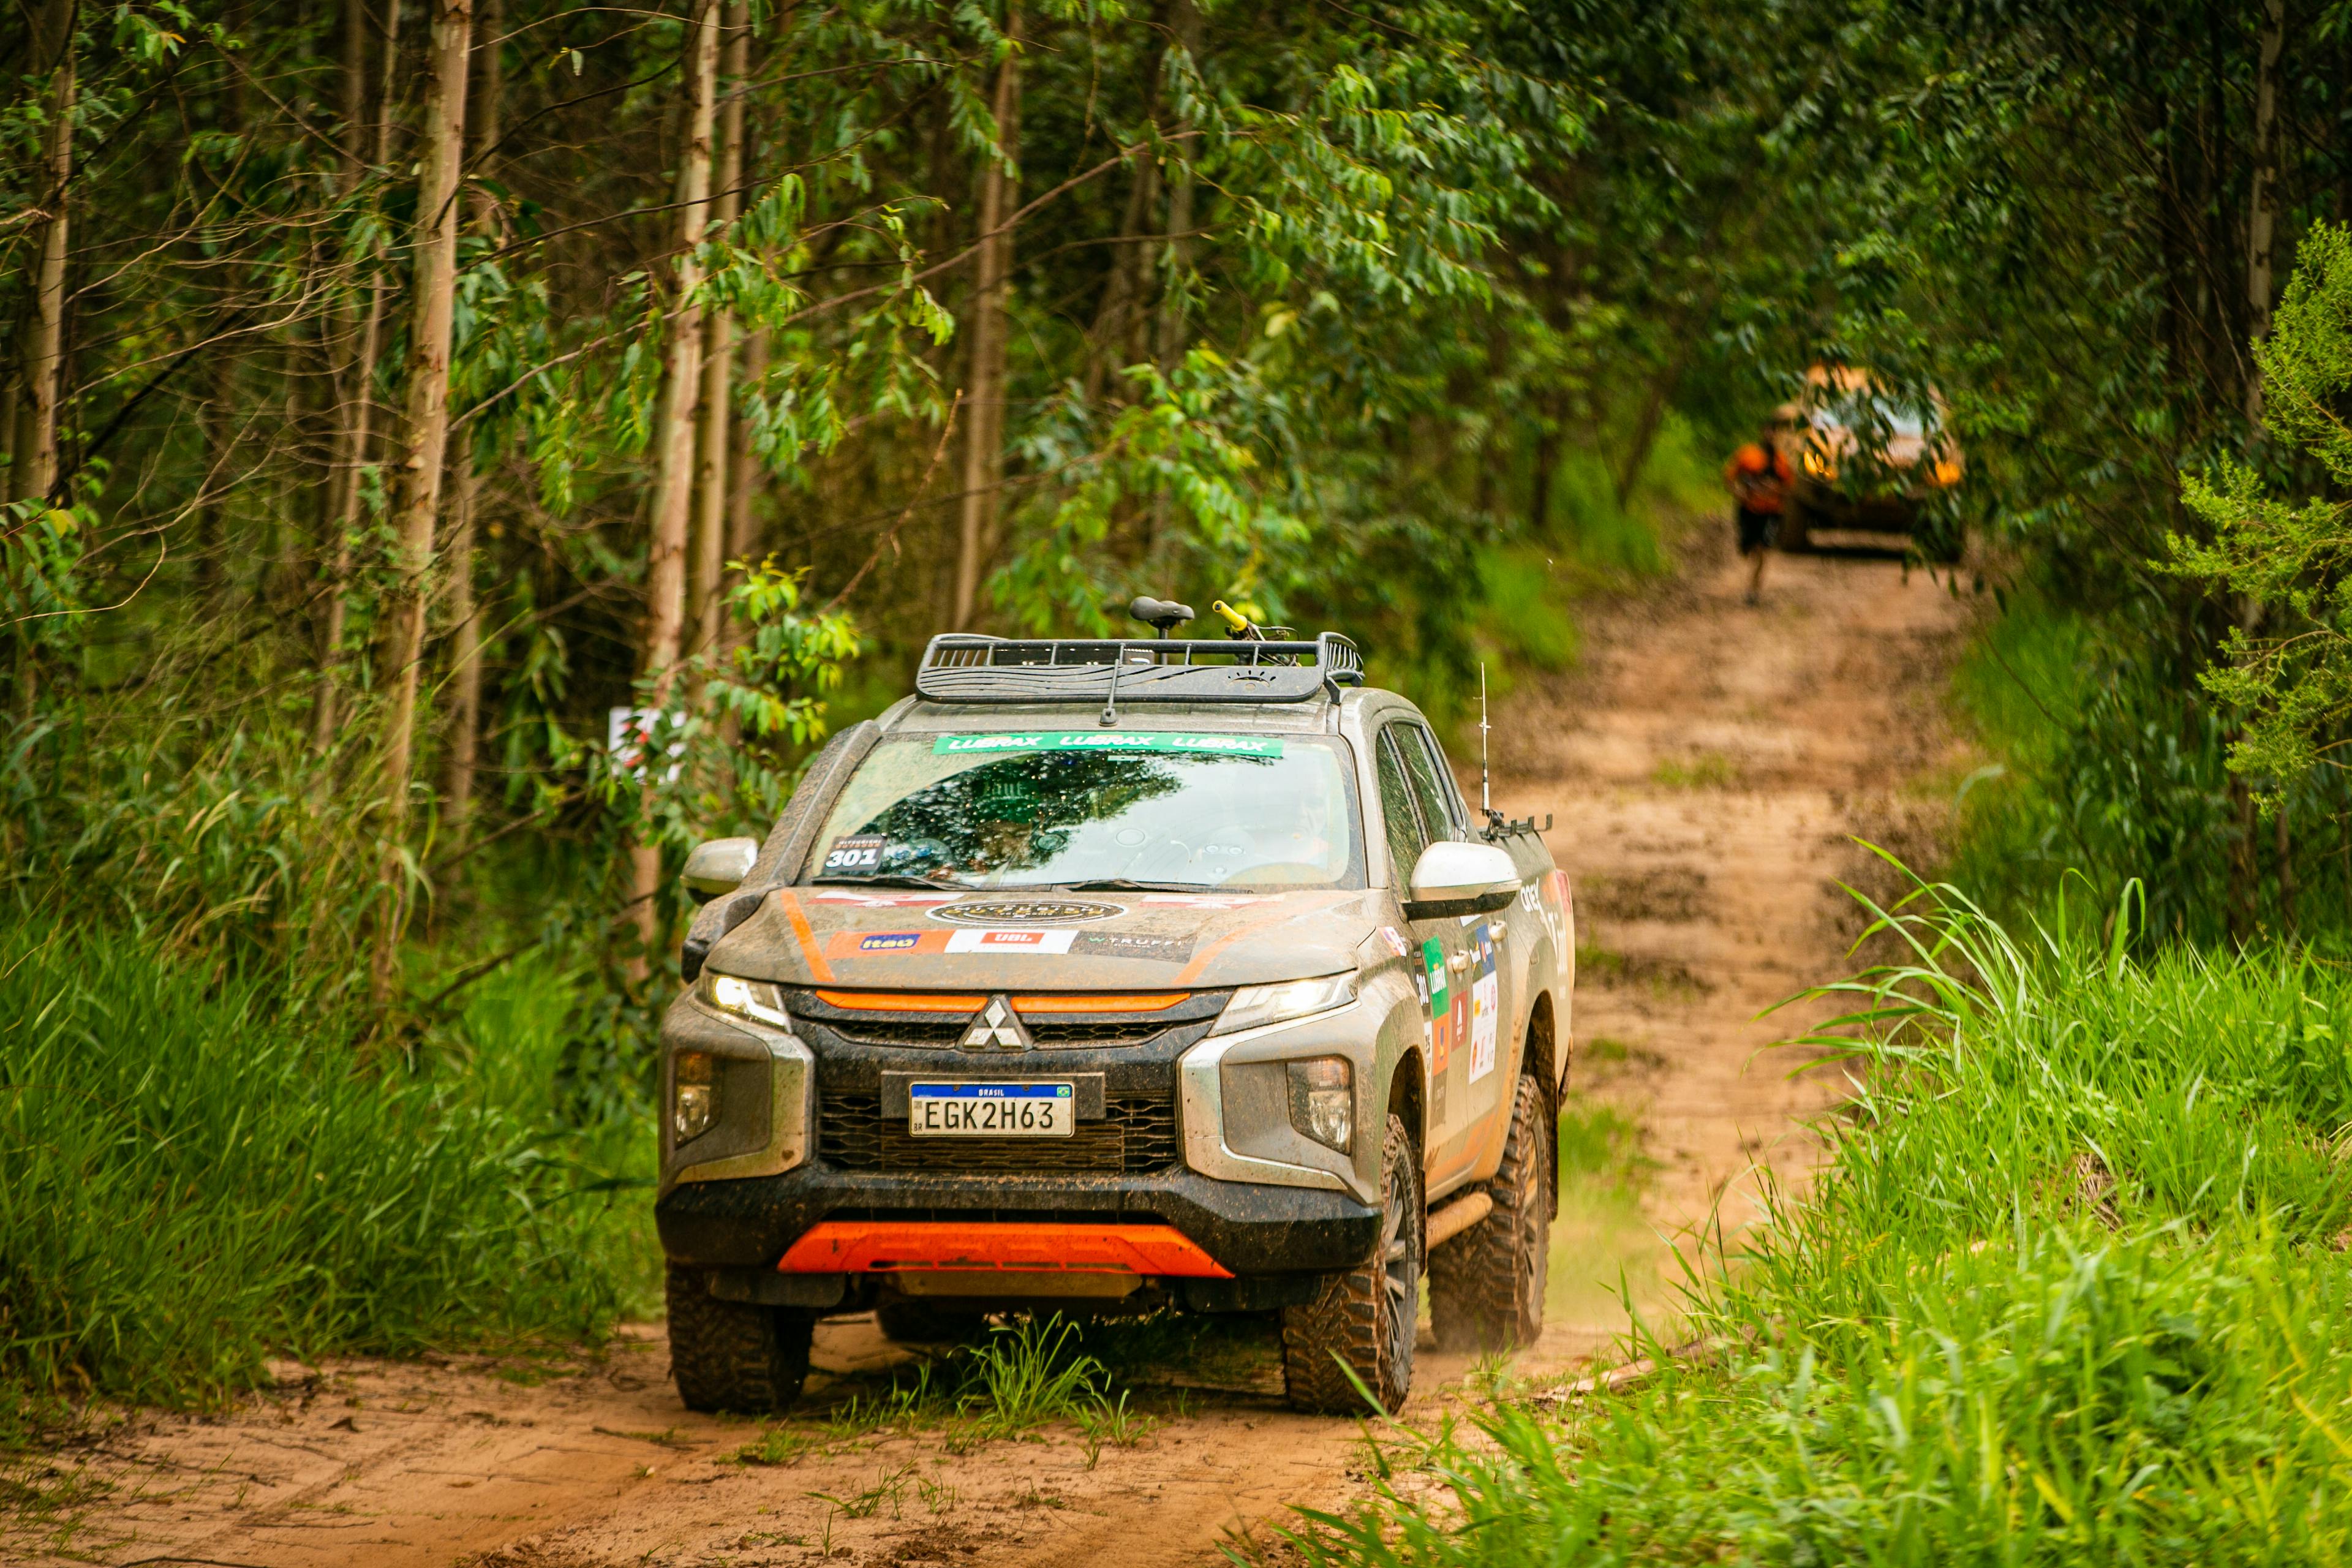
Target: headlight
694 1094
1255 1004
757 999
1323 1101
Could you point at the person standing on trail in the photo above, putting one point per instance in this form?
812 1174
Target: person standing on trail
1758 477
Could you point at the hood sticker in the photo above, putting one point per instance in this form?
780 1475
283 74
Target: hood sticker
1395 939
1004 940
1127 944
1203 900
888 943
1111 740
867 943
1028 911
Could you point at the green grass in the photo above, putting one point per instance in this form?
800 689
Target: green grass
197 1174
2069 1292
1703 770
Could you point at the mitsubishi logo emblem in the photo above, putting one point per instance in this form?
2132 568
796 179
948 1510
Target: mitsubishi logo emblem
995 1028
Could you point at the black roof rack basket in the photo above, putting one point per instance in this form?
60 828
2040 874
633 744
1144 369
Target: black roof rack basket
966 667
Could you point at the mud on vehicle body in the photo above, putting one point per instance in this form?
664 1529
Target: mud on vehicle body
1098 976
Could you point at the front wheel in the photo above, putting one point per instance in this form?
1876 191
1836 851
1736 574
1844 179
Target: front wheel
1487 1286
734 1355
1363 1320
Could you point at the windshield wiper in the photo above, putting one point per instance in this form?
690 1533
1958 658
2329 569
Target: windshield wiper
895 879
1130 885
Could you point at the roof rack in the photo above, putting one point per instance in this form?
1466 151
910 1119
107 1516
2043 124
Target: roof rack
966 667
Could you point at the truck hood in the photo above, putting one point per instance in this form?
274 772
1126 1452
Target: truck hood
1017 940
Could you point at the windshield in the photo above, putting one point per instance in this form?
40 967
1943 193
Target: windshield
1050 809
1897 420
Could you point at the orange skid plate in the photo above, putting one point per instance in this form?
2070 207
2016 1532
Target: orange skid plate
883 1246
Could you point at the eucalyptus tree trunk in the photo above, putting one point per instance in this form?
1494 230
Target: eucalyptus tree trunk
355 380
2262 204
673 500
983 448
712 470
1120 312
425 440
1185 21
464 478
35 448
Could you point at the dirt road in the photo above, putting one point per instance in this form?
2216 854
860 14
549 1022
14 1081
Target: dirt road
1703 770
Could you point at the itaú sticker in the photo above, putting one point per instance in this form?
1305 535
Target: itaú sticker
1027 912
876 943
1010 941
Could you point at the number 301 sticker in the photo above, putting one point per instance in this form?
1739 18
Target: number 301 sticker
858 852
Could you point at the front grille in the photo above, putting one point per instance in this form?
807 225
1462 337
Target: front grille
932 1034
916 1034
1137 1135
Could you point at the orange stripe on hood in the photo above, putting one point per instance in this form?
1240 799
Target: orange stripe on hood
819 970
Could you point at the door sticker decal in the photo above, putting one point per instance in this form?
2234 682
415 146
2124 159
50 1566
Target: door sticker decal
1485 1003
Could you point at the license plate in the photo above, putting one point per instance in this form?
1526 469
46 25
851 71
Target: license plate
992 1109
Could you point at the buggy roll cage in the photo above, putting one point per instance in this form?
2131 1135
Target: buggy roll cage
970 667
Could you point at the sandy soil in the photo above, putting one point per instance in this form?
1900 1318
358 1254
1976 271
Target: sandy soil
1704 770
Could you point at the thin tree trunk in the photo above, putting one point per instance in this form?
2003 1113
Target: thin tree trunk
355 384
712 418
673 501
2262 201
425 439
36 456
1124 290
1184 20
465 651
465 616
2285 840
1546 464
743 521
984 452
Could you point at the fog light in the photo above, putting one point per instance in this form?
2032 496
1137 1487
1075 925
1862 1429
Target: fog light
1323 1101
693 1098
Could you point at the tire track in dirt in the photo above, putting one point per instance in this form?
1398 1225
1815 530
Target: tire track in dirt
1703 770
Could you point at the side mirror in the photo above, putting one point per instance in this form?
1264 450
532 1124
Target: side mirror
718 866
1451 880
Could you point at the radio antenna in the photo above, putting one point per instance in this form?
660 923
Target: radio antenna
1486 797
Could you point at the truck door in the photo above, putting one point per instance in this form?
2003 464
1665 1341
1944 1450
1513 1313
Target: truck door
1413 819
1484 976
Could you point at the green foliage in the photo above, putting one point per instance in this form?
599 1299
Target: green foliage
2068 1292
2100 766
2292 677
199 1175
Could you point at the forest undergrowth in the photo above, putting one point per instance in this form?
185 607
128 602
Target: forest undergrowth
203 1175
2072 1289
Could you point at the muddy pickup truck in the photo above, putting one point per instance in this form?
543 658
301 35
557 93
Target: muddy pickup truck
1109 977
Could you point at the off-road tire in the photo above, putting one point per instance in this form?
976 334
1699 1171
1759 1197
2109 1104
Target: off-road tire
734 1355
910 1322
1365 1316
1486 1285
